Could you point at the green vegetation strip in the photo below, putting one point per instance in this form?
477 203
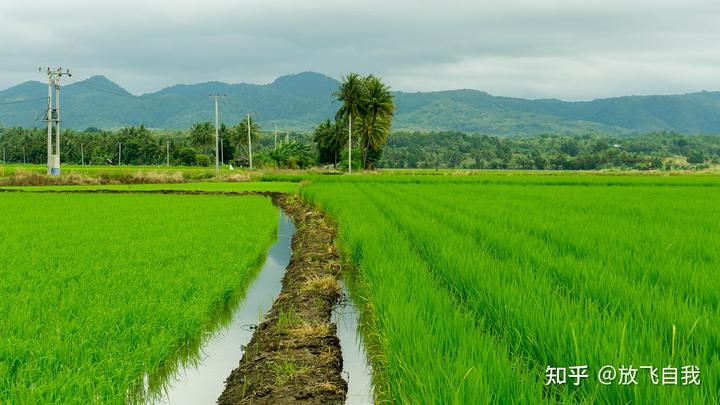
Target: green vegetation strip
471 288
98 290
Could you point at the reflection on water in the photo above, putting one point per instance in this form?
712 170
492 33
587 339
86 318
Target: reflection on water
356 370
200 379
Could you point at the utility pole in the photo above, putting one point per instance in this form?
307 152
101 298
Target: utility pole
222 152
217 133
119 153
57 123
275 136
4 155
48 118
350 144
82 155
53 118
167 152
249 140
217 137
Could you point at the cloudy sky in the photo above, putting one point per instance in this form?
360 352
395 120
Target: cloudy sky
568 49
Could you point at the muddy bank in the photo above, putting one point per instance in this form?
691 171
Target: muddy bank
294 355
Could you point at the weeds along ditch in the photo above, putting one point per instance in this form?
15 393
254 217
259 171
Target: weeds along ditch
98 290
470 287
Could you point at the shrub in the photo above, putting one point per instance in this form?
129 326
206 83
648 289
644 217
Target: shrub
202 160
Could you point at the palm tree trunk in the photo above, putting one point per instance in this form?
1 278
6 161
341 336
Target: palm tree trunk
350 144
365 152
367 146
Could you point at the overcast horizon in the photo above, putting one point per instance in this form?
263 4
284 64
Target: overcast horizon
560 49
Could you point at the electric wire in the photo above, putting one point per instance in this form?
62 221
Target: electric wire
23 101
84 82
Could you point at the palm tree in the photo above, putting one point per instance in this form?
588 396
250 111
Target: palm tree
225 134
350 94
240 134
202 135
329 139
379 108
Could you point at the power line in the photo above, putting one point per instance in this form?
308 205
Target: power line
102 89
234 106
84 82
41 115
23 101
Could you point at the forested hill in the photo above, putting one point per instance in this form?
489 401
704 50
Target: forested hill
301 101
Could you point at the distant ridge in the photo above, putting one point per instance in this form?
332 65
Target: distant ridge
300 101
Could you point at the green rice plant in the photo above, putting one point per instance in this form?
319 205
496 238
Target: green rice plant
99 290
472 286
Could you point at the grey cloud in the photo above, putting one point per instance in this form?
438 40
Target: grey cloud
568 49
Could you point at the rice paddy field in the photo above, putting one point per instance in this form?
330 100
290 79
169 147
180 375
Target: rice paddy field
100 290
471 287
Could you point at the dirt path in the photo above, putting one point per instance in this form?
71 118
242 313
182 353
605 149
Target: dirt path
294 355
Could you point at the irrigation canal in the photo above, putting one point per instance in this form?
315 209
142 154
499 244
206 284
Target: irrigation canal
202 382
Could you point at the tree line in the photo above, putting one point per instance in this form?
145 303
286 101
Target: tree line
652 151
435 150
143 146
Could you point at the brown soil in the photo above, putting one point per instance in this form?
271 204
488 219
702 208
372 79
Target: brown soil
294 355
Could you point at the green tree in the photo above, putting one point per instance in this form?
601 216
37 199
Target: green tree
378 109
226 142
696 157
290 155
202 135
570 146
239 135
350 93
185 156
202 160
139 146
329 138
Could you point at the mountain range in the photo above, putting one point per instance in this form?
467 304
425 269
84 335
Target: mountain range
301 101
